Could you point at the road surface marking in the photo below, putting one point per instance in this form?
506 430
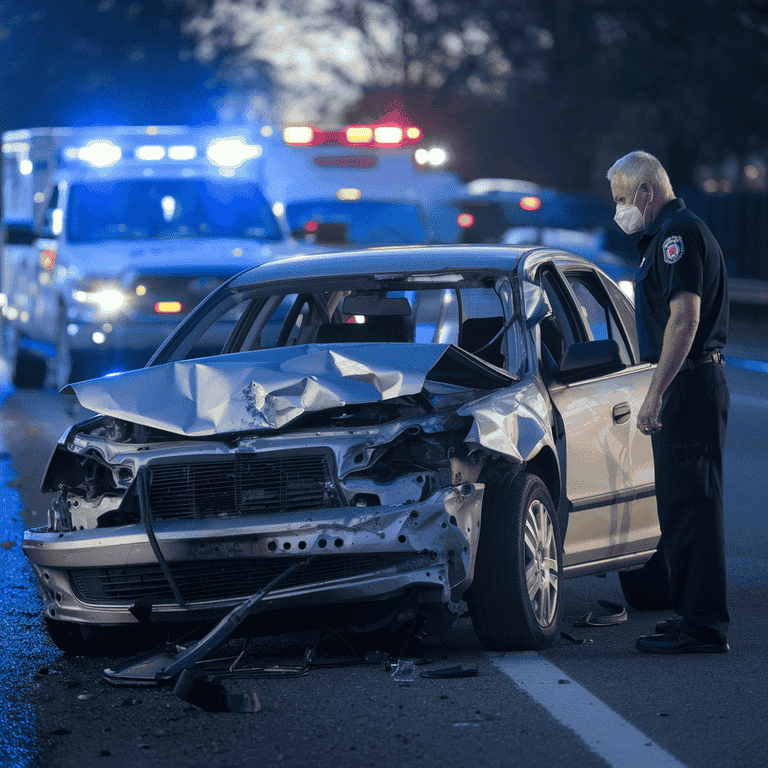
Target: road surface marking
614 739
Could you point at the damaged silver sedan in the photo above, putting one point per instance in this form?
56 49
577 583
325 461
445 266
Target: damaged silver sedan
433 430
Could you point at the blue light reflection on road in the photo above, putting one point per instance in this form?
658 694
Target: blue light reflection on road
22 647
750 365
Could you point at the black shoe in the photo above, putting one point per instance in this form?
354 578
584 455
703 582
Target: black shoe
666 625
678 642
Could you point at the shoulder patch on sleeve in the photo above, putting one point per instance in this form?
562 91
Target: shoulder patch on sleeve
673 249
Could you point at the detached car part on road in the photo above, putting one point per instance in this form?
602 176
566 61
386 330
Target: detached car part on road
438 428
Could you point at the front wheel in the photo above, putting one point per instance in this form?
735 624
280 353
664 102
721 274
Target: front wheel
515 600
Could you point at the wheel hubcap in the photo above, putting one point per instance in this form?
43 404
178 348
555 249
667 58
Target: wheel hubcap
541 574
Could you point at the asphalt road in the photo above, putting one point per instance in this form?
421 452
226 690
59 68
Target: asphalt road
592 703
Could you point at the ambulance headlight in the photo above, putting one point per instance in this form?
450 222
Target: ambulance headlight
106 299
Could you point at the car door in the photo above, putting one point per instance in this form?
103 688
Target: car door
609 462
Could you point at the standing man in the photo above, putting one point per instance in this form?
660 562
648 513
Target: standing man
681 304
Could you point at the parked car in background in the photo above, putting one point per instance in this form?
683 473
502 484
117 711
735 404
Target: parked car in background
430 430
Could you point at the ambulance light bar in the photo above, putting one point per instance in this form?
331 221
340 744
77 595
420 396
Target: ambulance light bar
353 136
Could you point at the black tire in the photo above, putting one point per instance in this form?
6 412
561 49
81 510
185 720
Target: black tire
519 537
648 588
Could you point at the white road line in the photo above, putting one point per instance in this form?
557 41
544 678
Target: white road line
618 742
752 402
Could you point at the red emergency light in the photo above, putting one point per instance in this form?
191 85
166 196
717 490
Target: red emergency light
530 203
466 220
358 135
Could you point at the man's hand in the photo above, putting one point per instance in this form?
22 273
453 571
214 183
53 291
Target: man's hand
684 310
648 418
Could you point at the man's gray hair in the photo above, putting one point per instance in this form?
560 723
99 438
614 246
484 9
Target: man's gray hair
639 166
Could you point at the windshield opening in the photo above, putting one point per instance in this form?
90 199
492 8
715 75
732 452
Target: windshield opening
141 209
470 314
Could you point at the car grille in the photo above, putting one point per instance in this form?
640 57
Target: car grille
245 484
223 579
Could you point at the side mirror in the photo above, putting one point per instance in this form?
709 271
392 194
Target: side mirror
589 359
537 306
18 233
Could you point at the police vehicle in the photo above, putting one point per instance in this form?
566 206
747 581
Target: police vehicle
113 234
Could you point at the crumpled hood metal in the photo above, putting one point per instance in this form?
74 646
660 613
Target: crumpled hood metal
264 389
513 423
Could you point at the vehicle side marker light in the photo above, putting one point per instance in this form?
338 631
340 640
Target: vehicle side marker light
530 203
168 307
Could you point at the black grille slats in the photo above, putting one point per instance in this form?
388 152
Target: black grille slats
220 579
247 484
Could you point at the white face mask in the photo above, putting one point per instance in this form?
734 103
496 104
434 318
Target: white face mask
629 218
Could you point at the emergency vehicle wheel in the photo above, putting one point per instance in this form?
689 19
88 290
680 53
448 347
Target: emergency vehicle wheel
515 601
27 370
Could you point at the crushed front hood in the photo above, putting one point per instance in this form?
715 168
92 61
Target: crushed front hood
268 389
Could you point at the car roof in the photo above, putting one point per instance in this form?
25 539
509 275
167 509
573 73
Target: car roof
394 260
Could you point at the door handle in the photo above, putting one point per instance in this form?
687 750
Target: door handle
621 413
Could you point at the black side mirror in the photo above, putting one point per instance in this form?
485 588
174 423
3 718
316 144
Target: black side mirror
18 233
589 359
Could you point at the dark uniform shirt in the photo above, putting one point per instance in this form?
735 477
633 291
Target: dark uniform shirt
680 254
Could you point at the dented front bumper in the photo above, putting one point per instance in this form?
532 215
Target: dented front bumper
97 575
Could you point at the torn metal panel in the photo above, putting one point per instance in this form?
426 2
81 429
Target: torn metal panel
511 423
268 389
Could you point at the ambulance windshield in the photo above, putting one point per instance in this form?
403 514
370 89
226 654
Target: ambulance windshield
140 209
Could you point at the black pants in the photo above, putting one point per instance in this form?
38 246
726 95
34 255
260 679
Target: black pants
688 465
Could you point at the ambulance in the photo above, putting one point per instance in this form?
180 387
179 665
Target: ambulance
111 235
362 185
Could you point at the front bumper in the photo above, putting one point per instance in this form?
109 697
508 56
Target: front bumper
359 554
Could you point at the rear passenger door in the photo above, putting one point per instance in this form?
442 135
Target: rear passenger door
609 462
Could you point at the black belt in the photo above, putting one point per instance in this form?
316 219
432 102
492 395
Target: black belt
713 357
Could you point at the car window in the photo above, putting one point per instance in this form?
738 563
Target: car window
560 329
597 310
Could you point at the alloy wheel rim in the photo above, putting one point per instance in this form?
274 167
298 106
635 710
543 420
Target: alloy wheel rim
541 573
